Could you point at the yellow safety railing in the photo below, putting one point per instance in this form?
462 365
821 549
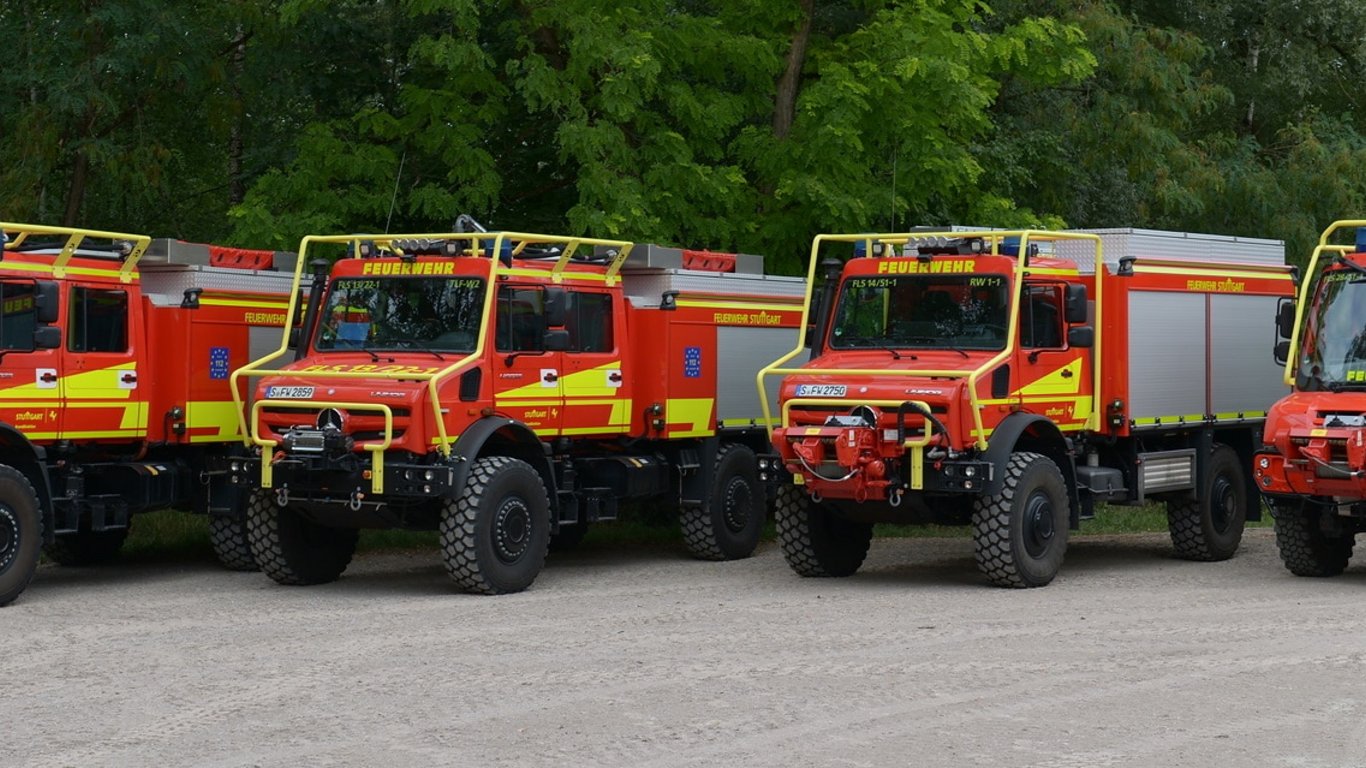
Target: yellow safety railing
892 242
1309 281
480 244
137 245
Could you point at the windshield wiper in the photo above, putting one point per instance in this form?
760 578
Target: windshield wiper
414 344
1344 386
888 347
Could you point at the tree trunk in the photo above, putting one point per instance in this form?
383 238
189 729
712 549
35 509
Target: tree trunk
75 195
237 64
785 102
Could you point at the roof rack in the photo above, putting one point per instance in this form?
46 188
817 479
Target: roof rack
121 246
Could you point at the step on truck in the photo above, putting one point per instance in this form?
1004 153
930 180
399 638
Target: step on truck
1312 468
509 390
115 352
1010 381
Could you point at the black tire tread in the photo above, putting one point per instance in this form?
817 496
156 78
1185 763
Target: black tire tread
1306 550
1187 530
285 561
992 546
459 521
812 553
701 524
231 543
17 576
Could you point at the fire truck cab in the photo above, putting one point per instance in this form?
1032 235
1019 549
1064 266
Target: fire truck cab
115 352
1012 380
1312 467
507 390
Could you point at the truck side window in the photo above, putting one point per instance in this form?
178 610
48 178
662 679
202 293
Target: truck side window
589 322
1041 318
18 315
520 325
99 321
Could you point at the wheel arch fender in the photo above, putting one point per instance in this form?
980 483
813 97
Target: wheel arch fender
500 436
19 452
1031 432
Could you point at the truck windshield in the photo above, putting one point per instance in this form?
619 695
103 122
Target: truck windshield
429 313
1334 345
923 311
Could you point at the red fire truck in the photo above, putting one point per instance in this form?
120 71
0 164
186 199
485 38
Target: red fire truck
115 352
508 390
1313 466
1011 380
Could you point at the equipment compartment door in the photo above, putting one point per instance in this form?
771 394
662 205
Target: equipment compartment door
1055 379
527 379
100 373
597 388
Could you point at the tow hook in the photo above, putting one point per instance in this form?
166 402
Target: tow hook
282 497
356 496
894 498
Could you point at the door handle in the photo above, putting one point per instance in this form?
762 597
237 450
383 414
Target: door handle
1066 373
129 378
550 376
614 377
48 377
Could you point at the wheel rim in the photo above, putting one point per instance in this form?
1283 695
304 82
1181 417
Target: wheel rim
9 536
735 506
512 530
1038 524
1223 504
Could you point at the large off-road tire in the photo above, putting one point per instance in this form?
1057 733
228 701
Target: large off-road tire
1216 535
231 543
87 547
292 549
727 527
1019 535
21 533
495 532
815 538
1306 549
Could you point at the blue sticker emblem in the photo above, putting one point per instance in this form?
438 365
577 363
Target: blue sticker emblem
692 362
218 362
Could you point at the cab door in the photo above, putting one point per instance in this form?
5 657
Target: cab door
30 393
527 377
597 389
1055 378
99 375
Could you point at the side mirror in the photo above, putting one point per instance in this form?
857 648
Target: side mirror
296 335
1081 336
1285 319
45 293
556 306
1282 352
555 340
47 337
1075 309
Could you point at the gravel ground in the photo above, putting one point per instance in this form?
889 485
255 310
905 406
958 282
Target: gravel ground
617 658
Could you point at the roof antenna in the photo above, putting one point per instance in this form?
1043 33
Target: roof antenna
394 198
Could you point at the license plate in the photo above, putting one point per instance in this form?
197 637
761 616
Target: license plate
821 390
289 393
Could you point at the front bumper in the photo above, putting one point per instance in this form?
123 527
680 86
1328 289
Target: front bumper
350 477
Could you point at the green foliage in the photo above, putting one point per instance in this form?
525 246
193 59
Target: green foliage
745 124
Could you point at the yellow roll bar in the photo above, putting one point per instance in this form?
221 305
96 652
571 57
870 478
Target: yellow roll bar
517 241
1302 299
18 233
890 242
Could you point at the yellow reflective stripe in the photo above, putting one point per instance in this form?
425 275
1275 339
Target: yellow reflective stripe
1052 271
244 303
1063 381
757 421
25 266
544 273
1140 269
689 410
738 305
220 416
